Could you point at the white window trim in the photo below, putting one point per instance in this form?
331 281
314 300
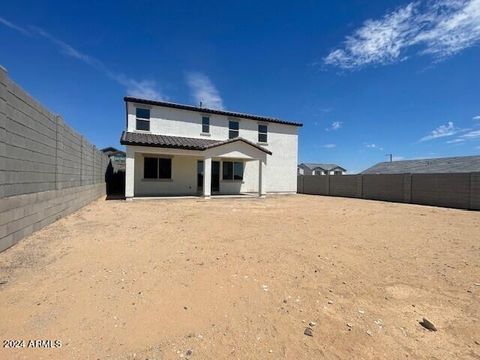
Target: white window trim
144 119
209 125
258 133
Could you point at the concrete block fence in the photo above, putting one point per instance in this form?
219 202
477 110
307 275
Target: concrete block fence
459 190
47 170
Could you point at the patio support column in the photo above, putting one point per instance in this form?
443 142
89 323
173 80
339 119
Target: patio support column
261 178
129 173
207 176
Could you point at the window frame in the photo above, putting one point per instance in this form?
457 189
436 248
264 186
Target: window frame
207 125
232 130
262 133
139 119
158 173
234 175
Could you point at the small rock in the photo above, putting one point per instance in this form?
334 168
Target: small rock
330 302
284 301
369 333
308 331
428 324
189 352
3 282
270 351
349 325
477 284
312 323
185 307
477 342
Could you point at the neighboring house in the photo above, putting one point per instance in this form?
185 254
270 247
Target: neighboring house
117 158
459 164
175 149
320 169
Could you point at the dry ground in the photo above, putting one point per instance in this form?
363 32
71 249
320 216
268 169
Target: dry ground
242 278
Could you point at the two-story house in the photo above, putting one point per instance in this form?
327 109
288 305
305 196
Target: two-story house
320 169
175 149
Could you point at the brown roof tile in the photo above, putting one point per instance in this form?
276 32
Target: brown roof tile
179 142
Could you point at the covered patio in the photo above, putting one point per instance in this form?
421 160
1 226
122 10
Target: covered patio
160 166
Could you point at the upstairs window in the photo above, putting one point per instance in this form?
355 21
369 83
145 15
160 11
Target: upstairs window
157 168
232 170
142 119
262 133
232 129
205 125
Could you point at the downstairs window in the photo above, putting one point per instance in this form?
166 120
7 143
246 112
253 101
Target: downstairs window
232 170
157 168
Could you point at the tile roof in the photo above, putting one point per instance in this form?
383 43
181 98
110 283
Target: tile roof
440 165
327 167
179 142
209 111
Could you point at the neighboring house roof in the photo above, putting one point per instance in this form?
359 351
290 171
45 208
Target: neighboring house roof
327 167
208 111
440 165
179 142
109 151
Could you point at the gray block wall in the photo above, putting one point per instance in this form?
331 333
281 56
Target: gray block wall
47 170
388 187
343 185
456 190
449 190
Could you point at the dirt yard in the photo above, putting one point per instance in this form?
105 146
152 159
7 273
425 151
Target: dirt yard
243 278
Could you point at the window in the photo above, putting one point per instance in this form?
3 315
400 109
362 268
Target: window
232 129
325 172
150 167
337 172
143 119
164 168
157 168
232 170
205 125
262 133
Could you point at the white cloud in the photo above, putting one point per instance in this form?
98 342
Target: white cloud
12 26
440 28
476 117
335 126
442 131
373 146
203 91
455 141
139 88
471 135
329 146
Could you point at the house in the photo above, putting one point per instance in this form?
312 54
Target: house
320 169
175 149
117 158
459 164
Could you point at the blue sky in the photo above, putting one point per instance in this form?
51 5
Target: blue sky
367 78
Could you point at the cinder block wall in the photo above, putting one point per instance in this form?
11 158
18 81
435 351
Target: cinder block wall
456 190
47 170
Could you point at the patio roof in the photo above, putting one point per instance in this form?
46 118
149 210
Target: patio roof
179 142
